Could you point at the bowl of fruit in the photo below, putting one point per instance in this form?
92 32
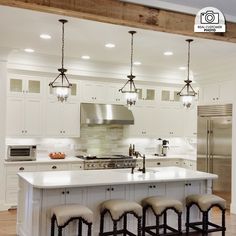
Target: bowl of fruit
57 155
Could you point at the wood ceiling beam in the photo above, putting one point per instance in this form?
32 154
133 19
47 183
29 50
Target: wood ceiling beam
123 13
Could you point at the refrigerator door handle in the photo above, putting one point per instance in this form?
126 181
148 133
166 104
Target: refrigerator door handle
211 148
208 146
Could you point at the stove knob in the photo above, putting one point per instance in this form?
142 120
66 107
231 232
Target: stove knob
117 165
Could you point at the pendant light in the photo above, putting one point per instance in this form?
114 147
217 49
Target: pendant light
187 93
61 84
129 89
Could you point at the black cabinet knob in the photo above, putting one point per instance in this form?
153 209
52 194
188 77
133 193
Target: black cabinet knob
67 192
63 192
54 167
21 168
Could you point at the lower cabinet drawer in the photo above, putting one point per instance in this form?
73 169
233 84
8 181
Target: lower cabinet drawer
77 166
53 167
19 168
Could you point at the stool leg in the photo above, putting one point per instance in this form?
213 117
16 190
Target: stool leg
223 222
101 224
157 225
144 222
115 227
125 225
80 228
187 220
165 222
52 225
89 230
204 223
139 226
59 231
180 223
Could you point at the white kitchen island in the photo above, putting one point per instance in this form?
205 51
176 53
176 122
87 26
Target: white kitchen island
39 191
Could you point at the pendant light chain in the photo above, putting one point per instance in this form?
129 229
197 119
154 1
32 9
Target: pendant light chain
188 58
63 45
132 51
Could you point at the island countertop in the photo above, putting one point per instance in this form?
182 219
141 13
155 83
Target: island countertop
83 178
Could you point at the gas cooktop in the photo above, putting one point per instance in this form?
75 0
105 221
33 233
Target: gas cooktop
104 157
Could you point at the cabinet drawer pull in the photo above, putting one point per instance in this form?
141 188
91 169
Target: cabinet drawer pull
154 186
63 192
21 168
68 192
54 167
108 189
158 163
112 189
150 186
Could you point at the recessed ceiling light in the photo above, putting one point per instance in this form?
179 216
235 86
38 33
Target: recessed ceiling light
168 53
30 50
110 45
137 63
45 36
182 68
85 57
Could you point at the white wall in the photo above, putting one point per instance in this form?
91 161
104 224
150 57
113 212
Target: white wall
3 79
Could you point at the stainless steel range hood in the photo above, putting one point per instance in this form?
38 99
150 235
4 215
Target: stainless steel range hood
97 114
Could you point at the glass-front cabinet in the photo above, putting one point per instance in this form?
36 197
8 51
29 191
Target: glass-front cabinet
25 86
146 95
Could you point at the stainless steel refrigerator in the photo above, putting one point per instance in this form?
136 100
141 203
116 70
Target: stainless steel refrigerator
214 142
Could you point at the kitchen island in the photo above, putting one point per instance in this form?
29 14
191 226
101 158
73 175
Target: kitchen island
40 191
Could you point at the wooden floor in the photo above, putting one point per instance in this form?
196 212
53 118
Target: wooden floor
8 223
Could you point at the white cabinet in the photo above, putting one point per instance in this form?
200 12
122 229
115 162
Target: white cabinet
93 92
218 93
169 96
24 116
144 123
24 86
53 167
189 164
169 122
190 122
62 119
146 95
11 181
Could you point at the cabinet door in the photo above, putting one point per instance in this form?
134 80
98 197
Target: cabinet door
70 119
190 122
15 86
227 91
33 117
170 122
53 115
15 116
33 87
211 93
50 198
144 122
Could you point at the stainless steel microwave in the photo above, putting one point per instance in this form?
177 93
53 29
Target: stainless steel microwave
21 152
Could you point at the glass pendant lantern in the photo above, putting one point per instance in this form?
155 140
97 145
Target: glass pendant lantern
129 89
61 85
187 93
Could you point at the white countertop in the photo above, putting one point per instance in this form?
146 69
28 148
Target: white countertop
83 178
48 160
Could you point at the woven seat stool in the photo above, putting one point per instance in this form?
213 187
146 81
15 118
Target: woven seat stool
119 209
159 206
64 214
205 203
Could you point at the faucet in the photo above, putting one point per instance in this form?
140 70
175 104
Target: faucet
137 154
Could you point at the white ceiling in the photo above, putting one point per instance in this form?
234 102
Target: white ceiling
21 29
227 7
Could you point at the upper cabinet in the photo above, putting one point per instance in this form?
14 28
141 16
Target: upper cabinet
146 95
25 86
169 96
217 93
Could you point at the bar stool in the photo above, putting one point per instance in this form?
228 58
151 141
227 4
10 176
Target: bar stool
205 203
64 214
159 206
118 209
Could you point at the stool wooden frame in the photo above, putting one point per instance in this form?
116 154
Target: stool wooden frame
205 223
81 221
123 231
164 226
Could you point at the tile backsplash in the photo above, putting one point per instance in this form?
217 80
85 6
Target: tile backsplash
105 139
